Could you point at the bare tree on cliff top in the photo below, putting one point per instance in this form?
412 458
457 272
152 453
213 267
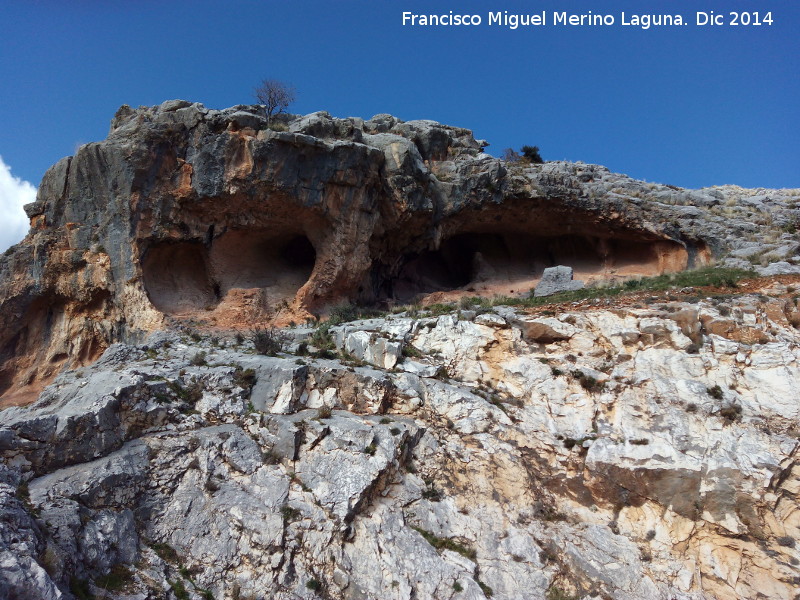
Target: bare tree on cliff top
275 95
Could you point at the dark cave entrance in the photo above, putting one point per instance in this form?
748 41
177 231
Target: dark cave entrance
497 262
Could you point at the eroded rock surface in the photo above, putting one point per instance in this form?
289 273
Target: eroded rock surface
184 212
643 451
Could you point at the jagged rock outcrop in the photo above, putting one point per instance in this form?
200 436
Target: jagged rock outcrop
195 213
642 447
645 450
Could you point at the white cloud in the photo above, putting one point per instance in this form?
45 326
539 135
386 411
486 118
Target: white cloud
14 192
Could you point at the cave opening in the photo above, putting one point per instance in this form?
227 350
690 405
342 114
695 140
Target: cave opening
509 263
176 277
185 277
278 263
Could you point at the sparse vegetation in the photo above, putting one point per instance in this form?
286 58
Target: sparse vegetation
531 154
244 378
410 351
487 591
275 95
80 589
290 514
179 589
446 544
198 360
589 383
322 338
731 413
707 276
191 393
715 392
116 579
556 593
268 341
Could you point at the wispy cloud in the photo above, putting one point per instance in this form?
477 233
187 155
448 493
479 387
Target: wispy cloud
14 193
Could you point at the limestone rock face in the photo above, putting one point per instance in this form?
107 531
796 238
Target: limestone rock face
639 450
636 452
184 212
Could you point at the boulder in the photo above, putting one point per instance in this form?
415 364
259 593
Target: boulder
555 280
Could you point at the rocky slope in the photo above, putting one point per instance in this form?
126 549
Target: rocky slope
639 451
186 212
635 447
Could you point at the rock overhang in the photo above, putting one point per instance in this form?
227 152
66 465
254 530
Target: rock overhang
184 209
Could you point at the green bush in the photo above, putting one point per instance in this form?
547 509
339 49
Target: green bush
269 341
531 154
446 544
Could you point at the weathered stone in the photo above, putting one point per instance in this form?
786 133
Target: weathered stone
555 280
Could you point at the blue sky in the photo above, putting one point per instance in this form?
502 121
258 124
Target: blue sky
687 106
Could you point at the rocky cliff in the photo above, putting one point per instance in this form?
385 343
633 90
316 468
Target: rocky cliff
634 447
195 213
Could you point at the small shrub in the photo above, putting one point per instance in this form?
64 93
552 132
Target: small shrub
431 493
269 341
640 442
441 373
446 544
410 351
179 589
556 371
715 392
487 591
343 313
116 579
371 449
322 338
271 458
589 383
244 378
314 585
531 154
731 413
324 412
166 552
290 514
556 593
385 421
190 393
394 431
198 360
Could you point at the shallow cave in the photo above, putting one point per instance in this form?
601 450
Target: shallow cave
186 276
278 263
176 277
502 262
